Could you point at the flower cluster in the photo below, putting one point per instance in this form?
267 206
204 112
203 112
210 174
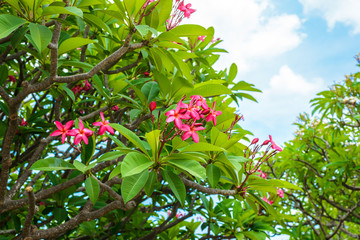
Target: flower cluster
196 110
81 133
179 11
78 88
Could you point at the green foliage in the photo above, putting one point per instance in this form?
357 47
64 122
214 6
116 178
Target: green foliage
117 177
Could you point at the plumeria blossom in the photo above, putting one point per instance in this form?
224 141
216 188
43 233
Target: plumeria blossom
87 86
213 114
81 133
201 38
104 125
267 200
262 174
190 131
63 130
186 9
280 192
23 122
274 146
177 114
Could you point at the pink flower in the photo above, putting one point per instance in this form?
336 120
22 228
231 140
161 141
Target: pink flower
280 192
23 122
274 146
115 108
12 78
152 106
76 89
63 130
87 86
190 131
41 204
213 114
104 125
201 38
262 174
177 114
81 133
267 200
186 9
200 101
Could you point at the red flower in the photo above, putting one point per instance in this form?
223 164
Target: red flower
63 130
23 122
87 86
274 146
177 114
186 9
190 131
81 133
213 114
104 125
152 106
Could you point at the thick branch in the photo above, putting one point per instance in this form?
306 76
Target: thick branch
208 190
27 224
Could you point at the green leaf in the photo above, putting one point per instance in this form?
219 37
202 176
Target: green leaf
150 90
132 185
176 185
18 36
153 138
60 214
134 163
189 30
72 43
3 74
202 147
208 89
109 156
284 184
97 22
54 10
151 183
68 91
232 72
92 188
40 36
213 173
116 171
88 150
132 137
51 164
8 23
163 82
165 7
145 29
79 166
191 166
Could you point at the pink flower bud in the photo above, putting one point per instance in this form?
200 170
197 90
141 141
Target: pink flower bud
23 122
146 74
152 106
12 78
115 108
254 141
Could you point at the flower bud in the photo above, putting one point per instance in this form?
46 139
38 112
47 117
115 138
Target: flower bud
115 108
152 106
255 140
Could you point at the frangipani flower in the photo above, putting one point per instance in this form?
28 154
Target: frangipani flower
262 174
186 9
274 146
213 114
190 131
280 192
63 130
104 125
267 200
81 133
177 114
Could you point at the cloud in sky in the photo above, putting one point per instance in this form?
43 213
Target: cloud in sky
333 11
248 31
288 94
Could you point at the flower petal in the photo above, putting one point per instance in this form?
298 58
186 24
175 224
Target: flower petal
59 125
98 124
56 133
69 124
110 129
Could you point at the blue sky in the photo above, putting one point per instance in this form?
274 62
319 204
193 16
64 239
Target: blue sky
290 49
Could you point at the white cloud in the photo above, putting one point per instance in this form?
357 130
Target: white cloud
342 11
288 95
249 31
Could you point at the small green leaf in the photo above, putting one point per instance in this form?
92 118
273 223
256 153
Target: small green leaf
88 149
68 91
132 185
151 183
54 10
189 30
72 43
3 74
60 214
176 185
191 166
232 72
132 137
51 164
134 163
116 171
8 23
213 173
92 188
202 147
153 138
79 166
98 22
40 36
110 156
150 90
